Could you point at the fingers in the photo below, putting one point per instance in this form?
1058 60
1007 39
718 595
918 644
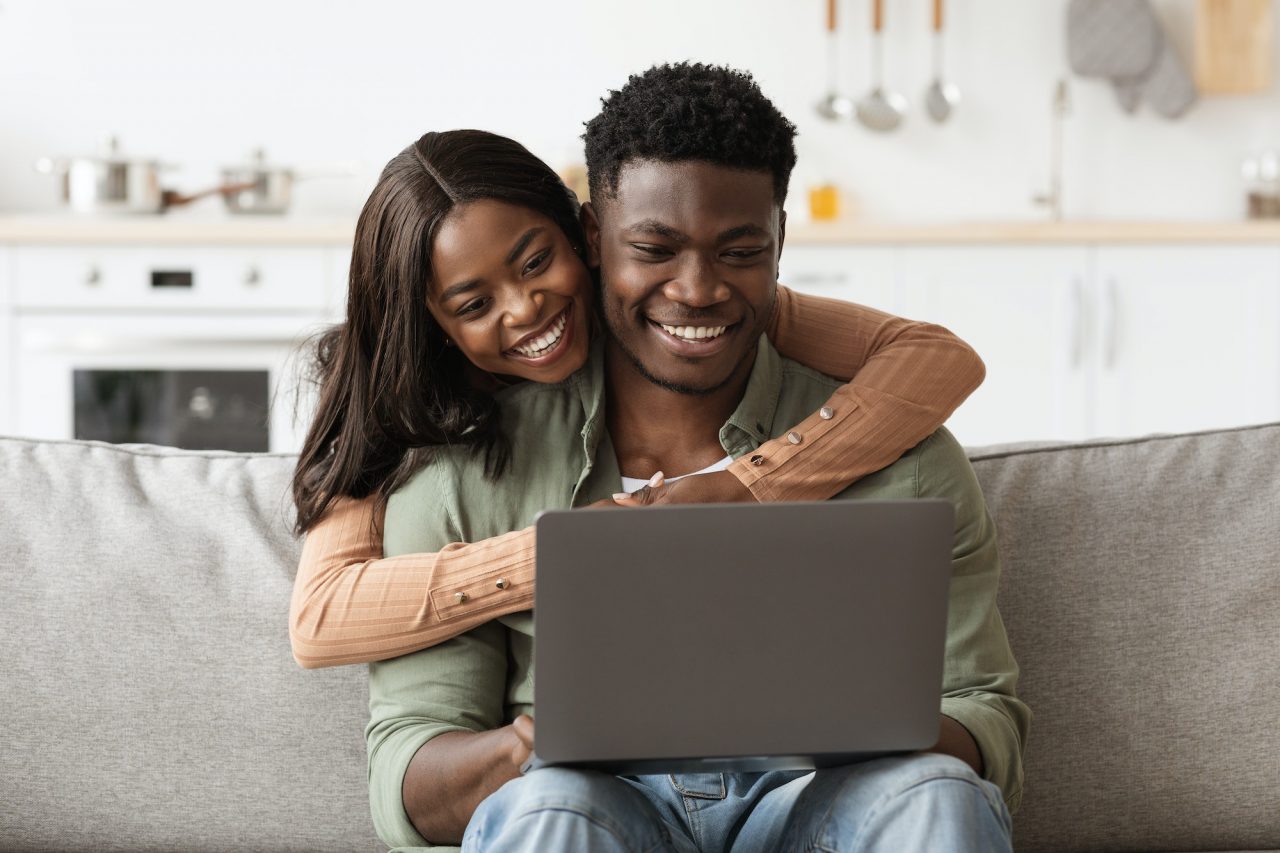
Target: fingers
523 726
644 495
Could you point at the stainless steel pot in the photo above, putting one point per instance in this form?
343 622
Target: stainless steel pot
110 184
117 184
262 188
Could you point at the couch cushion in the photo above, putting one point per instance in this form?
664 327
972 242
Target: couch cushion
1141 592
151 701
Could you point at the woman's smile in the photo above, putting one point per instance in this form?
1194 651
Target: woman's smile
548 344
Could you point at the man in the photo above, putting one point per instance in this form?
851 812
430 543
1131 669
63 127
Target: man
689 167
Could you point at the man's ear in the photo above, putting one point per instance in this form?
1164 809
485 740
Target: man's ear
782 232
591 229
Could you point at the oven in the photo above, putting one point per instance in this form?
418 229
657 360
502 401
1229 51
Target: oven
195 348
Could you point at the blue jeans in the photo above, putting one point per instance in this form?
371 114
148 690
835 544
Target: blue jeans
921 802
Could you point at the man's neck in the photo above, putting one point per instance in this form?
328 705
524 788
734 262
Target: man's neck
657 429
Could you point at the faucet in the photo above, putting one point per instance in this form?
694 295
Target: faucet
1061 109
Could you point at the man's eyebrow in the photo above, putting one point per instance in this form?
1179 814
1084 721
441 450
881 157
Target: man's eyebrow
741 231
523 242
656 228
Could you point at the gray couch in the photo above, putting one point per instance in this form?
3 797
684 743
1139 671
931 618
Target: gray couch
150 701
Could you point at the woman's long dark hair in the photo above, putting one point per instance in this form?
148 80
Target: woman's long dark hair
389 388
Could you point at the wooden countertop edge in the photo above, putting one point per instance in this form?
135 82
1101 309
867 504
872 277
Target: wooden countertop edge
26 230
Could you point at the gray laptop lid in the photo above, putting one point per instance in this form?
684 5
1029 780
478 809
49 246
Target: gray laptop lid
746 636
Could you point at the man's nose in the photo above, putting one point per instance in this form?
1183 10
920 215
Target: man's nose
697 284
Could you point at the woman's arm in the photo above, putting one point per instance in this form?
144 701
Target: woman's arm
907 379
352 605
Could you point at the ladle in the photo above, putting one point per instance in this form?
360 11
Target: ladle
880 110
834 106
942 97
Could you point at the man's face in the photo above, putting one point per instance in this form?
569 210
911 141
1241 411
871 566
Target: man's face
688 257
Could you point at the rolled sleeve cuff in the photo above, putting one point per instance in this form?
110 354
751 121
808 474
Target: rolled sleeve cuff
387 766
997 740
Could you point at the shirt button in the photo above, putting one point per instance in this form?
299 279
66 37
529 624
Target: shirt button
826 413
794 437
757 459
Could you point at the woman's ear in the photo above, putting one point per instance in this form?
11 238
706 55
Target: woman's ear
591 229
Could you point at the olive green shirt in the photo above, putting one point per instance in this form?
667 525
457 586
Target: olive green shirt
562 457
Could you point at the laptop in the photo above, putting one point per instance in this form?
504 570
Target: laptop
739 637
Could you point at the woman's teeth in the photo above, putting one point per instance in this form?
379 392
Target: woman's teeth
695 333
545 342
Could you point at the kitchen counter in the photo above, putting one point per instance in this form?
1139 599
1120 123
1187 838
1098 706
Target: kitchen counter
301 231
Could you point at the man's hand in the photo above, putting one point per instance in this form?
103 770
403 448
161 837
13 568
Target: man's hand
523 748
718 487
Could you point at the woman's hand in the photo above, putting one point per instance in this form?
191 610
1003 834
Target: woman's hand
718 487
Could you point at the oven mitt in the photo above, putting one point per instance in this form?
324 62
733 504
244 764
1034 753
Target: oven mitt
1168 87
1112 38
1128 93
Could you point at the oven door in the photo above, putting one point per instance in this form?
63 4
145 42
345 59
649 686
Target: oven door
197 382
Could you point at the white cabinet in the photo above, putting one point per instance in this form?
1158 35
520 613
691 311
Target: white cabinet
1083 341
8 348
1023 310
867 276
1189 338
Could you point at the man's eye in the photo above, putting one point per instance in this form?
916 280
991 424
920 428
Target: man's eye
473 306
651 250
743 254
536 263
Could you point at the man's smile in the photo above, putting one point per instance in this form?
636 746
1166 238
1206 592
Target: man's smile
693 340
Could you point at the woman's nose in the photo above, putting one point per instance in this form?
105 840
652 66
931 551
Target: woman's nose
523 309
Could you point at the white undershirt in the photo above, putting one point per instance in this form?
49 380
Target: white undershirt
631 484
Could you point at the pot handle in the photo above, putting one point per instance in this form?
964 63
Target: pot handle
49 166
173 198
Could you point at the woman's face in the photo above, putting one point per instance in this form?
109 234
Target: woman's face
510 292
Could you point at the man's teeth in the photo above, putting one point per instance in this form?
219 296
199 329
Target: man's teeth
694 333
544 343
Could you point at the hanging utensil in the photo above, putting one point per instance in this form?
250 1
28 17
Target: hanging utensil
880 110
942 97
834 106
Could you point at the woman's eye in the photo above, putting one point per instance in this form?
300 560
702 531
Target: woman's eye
537 262
473 306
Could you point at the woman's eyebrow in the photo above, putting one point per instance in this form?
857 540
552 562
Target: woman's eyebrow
458 289
523 242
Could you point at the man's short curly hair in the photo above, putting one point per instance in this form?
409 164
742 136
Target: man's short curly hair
689 111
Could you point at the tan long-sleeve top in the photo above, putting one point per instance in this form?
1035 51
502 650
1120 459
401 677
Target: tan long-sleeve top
351 605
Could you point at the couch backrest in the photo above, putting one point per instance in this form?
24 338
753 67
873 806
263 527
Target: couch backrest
150 700
1141 592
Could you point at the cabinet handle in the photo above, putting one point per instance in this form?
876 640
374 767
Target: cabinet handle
253 277
94 277
1077 322
1111 324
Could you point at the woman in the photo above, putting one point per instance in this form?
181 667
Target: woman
416 362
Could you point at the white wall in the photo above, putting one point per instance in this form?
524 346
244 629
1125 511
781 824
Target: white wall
201 84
